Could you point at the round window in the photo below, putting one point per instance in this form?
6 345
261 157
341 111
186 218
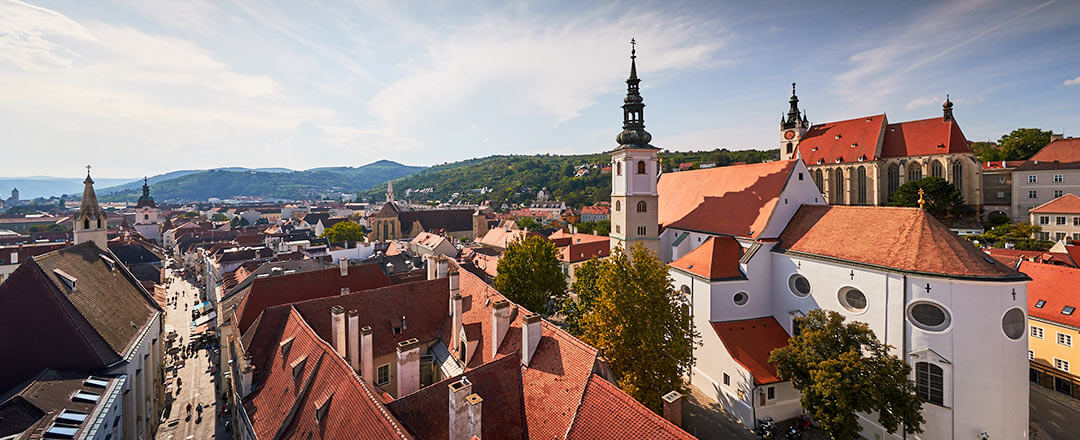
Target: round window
740 298
1013 323
929 316
799 285
853 299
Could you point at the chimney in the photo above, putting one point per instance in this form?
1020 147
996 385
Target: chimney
464 420
430 263
455 287
337 329
1056 136
367 364
343 264
408 367
456 325
673 407
442 265
247 372
354 338
500 322
530 338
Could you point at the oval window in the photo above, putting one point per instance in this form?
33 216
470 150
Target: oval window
853 299
1013 323
740 298
929 316
799 285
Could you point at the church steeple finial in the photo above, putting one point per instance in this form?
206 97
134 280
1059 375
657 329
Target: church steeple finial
946 108
633 134
793 115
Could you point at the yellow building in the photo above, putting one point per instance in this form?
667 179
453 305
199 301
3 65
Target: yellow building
1053 326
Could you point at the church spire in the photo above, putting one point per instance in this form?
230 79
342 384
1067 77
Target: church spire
793 116
89 205
947 108
146 200
633 134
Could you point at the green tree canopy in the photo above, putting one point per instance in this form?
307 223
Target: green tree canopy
530 275
1020 235
1019 144
527 223
219 217
634 306
584 292
52 227
344 231
842 369
942 199
602 227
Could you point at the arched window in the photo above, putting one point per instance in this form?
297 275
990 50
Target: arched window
930 383
819 180
618 168
385 230
894 178
789 147
642 206
861 185
146 216
641 167
936 170
914 172
958 176
99 222
86 223
838 187
618 205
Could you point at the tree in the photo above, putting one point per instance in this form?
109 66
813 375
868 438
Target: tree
842 369
527 223
1022 143
529 274
52 227
942 199
219 217
640 324
1020 235
585 290
189 214
602 227
344 231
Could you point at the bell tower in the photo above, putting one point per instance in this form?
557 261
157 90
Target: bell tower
89 221
147 215
792 128
634 171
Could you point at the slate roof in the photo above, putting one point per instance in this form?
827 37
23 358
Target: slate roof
704 200
33 405
749 342
131 254
315 217
715 259
451 220
916 241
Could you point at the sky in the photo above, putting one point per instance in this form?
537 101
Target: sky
140 87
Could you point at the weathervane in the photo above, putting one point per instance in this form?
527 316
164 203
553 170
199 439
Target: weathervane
633 48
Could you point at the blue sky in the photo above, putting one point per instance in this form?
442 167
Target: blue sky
145 86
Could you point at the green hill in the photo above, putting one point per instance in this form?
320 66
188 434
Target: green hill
267 183
516 179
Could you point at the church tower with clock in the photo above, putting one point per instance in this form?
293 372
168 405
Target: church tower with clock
792 128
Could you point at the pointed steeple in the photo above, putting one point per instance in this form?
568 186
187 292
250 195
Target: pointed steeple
146 200
633 134
89 206
793 115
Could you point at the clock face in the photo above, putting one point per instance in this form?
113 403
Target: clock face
789 134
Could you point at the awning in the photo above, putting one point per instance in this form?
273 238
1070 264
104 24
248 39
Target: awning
203 305
204 319
203 328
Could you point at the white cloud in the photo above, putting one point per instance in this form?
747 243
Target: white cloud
26 33
923 102
1073 82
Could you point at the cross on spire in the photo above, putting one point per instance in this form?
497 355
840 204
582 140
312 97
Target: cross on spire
87 169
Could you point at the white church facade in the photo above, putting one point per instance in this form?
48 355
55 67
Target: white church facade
754 246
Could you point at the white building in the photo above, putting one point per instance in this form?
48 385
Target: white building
148 216
754 246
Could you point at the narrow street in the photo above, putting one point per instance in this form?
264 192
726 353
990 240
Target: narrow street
189 381
1053 414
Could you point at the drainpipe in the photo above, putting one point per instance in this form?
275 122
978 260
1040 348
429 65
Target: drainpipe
903 335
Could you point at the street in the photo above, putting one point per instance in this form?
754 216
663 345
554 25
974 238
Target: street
1053 414
189 382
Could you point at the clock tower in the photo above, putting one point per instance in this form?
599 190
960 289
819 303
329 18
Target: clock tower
792 128
634 171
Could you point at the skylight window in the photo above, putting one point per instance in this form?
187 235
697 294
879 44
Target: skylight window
71 417
65 278
99 382
85 396
1068 310
61 431
1040 304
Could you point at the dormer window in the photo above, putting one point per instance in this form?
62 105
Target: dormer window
298 367
322 409
108 261
67 279
285 346
1040 304
853 145
838 136
1068 310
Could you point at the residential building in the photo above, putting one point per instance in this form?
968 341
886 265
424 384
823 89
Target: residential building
575 249
113 327
56 404
1053 325
426 244
1051 173
1058 219
997 187
753 247
594 213
863 161
12 256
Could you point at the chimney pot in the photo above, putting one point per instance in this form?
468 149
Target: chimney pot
465 409
337 331
430 263
673 407
530 337
500 323
353 338
456 309
442 266
343 264
367 364
408 371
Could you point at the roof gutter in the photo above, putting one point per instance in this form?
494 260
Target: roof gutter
1012 278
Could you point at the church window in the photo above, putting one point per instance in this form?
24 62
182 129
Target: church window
86 223
819 180
385 230
146 216
958 176
929 316
1013 323
789 148
838 187
936 170
861 185
618 205
618 230
99 223
641 167
853 299
930 383
914 172
641 230
799 285
618 168
642 206
894 179
740 298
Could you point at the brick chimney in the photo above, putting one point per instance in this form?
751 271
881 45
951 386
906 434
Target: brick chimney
530 337
343 264
455 328
353 338
337 329
344 290
673 407
367 363
408 367
464 420
500 323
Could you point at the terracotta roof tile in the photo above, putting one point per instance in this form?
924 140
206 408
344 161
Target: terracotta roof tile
1060 151
845 140
702 200
715 259
750 341
924 137
1066 204
916 242
584 248
283 289
607 413
1057 286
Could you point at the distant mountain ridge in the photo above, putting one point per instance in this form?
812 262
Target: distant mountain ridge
47 186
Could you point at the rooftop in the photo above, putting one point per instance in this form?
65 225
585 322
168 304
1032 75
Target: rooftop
750 341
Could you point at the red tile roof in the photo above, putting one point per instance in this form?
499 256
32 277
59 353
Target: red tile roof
715 259
916 242
284 289
1066 204
580 247
595 210
703 200
607 413
924 137
847 140
1057 286
1062 150
750 341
